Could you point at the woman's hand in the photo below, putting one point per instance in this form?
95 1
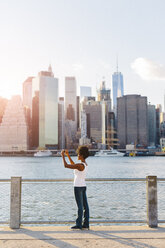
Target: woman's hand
66 152
62 153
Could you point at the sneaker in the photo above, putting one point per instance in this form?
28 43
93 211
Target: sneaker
76 228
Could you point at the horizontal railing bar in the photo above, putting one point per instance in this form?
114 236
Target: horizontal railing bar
46 222
115 179
48 180
88 179
5 180
161 221
92 222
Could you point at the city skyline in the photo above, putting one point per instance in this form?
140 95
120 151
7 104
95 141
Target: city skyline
83 39
54 121
92 89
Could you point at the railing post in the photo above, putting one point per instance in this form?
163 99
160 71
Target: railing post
152 214
15 202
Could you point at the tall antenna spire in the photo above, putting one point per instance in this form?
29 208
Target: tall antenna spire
164 100
50 70
117 62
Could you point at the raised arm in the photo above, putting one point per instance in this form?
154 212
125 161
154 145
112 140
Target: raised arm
73 166
67 154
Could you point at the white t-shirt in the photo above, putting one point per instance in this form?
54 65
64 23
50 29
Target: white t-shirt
79 176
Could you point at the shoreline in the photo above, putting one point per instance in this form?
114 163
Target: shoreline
57 153
74 155
30 153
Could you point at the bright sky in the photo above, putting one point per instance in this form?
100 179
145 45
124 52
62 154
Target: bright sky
82 38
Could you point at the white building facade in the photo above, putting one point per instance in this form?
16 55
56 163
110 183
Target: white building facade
47 86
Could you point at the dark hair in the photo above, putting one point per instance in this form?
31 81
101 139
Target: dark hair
83 151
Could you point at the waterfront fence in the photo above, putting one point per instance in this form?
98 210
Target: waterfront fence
4 201
46 201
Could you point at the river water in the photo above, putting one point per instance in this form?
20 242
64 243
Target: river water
107 200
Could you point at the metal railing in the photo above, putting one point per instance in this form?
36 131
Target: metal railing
26 196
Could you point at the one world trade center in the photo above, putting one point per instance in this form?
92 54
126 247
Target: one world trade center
117 88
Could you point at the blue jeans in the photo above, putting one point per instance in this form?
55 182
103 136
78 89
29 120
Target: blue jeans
82 204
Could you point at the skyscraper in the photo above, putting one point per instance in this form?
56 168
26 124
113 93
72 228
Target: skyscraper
132 122
27 92
103 94
93 110
158 111
35 120
47 85
78 112
3 103
164 101
117 88
83 124
61 124
27 103
71 99
83 121
151 125
70 111
84 91
13 129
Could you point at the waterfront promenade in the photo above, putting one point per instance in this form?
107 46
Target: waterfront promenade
97 236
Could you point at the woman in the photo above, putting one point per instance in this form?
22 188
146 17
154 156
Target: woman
80 170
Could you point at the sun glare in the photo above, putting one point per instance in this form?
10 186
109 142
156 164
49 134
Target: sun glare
7 91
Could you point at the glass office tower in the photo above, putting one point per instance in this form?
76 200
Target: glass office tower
47 86
117 88
85 91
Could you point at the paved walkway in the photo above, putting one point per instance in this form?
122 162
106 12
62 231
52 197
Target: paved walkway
97 236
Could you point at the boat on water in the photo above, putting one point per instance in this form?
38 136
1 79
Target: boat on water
43 153
109 153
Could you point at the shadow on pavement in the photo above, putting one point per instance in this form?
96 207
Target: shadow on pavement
60 238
